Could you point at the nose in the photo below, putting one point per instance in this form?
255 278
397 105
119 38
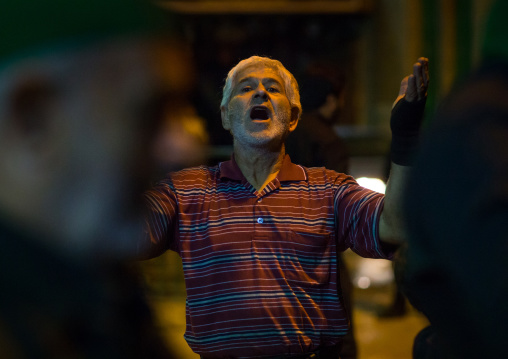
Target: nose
261 93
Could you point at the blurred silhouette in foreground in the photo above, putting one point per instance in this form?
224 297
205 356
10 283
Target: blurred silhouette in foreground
82 85
455 266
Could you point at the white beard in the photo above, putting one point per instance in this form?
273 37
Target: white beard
245 133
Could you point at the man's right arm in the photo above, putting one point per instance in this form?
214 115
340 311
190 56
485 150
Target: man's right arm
160 222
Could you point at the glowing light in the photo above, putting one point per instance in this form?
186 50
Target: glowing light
374 184
363 282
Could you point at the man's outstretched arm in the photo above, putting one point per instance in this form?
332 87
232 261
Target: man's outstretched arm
405 123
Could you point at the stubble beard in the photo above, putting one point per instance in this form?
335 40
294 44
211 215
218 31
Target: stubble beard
274 135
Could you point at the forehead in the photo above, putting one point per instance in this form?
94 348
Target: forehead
258 71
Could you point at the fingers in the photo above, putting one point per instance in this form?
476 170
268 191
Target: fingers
403 86
412 93
421 75
425 69
414 87
402 90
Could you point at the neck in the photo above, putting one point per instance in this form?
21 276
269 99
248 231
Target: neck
259 167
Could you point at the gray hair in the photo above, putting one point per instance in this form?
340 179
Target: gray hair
290 84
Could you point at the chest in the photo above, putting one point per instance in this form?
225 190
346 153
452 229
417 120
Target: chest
234 216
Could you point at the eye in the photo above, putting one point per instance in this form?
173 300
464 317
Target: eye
272 89
245 89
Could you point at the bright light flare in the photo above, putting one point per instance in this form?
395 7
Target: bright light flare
374 184
363 282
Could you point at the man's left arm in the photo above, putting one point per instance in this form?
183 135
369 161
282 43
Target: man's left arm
405 123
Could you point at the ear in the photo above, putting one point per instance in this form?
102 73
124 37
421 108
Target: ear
295 117
225 119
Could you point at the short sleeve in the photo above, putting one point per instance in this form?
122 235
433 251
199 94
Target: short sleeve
357 213
161 220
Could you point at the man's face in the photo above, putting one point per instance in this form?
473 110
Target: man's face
259 113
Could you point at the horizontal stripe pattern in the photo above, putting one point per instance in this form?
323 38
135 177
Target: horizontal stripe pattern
261 268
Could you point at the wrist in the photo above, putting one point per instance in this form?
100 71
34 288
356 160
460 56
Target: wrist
403 149
405 122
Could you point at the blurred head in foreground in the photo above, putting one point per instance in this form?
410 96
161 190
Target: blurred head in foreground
81 86
456 269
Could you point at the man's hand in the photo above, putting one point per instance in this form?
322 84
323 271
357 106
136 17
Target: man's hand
406 120
414 87
407 113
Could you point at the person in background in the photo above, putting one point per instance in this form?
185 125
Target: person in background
315 143
182 140
454 266
82 85
259 235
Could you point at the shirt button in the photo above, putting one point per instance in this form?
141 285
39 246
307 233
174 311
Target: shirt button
260 200
260 220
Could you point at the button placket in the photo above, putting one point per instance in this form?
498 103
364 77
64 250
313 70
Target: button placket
259 210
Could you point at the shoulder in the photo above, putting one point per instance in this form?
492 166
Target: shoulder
323 175
194 174
189 178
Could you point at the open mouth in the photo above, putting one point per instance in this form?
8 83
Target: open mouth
259 113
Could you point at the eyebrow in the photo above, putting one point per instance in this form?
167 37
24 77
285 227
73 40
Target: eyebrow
269 79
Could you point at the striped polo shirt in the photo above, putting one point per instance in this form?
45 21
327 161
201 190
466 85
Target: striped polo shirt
261 267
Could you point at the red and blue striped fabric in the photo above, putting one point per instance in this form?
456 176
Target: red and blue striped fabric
261 268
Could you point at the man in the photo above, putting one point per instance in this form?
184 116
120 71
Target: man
259 235
80 86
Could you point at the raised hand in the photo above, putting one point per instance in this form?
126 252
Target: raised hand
407 113
414 87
